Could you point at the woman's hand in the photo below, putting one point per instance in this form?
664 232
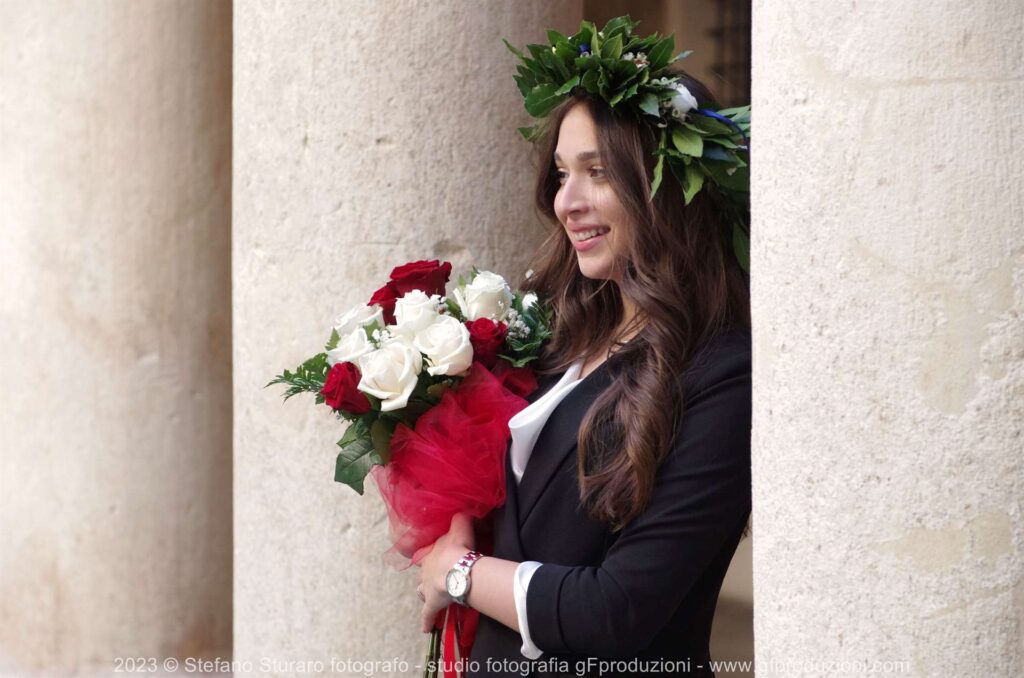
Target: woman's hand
434 567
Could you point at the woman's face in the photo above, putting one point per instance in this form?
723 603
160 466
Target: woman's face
593 217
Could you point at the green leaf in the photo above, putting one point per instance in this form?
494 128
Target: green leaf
513 49
332 343
624 71
687 141
620 25
636 44
649 105
717 153
437 391
710 125
741 246
585 35
356 458
542 99
554 37
554 64
658 169
694 182
727 175
307 377
590 81
380 434
567 87
624 95
612 48
660 166
682 55
723 141
661 54
737 114
527 133
565 51
595 39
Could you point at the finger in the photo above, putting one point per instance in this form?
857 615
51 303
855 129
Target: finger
420 554
428 616
462 528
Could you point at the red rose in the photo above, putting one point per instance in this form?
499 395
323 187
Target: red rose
487 338
519 380
428 276
340 390
385 297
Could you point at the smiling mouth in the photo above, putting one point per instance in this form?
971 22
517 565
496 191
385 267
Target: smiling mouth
580 236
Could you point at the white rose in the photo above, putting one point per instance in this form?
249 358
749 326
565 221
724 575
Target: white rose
488 296
447 347
350 348
415 311
390 373
529 299
683 102
360 316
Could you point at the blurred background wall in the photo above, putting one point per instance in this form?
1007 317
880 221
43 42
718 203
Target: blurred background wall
115 323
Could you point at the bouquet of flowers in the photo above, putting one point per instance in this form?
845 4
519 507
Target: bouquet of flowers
427 382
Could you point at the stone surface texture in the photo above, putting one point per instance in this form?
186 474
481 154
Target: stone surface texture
888 288
115 322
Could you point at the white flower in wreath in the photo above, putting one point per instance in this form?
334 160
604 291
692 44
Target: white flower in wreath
350 348
639 59
683 102
488 296
390 373
447 346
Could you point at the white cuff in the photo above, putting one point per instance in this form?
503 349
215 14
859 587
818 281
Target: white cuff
521 580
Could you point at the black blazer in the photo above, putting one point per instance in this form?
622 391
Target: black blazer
647 593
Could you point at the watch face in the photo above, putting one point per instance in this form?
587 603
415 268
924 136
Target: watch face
456 583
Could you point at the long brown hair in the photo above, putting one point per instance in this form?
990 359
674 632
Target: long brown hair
681 275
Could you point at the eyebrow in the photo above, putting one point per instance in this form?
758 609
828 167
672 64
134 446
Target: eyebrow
582 157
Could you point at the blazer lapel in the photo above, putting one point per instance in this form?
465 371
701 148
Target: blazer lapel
508 544
556 440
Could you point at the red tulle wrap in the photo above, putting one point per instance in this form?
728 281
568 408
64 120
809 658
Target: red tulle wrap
452 462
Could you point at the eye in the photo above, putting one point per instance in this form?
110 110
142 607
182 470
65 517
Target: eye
597 172
561 175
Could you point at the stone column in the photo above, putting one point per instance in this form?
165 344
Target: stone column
115 322
367 134
888 279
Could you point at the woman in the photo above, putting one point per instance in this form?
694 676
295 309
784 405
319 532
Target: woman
616 535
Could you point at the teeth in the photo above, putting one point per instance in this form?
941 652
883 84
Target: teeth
587 235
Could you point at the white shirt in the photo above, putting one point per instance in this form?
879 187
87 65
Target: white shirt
525 428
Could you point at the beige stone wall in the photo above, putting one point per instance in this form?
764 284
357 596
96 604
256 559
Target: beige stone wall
367 134
115 323
888 271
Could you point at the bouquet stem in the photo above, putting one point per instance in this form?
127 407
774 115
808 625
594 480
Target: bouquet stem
433 654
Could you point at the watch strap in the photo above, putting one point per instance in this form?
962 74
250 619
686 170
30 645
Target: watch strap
464 565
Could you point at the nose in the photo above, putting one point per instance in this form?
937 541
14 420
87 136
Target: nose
574 196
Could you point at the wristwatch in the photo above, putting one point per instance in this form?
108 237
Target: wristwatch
457 580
